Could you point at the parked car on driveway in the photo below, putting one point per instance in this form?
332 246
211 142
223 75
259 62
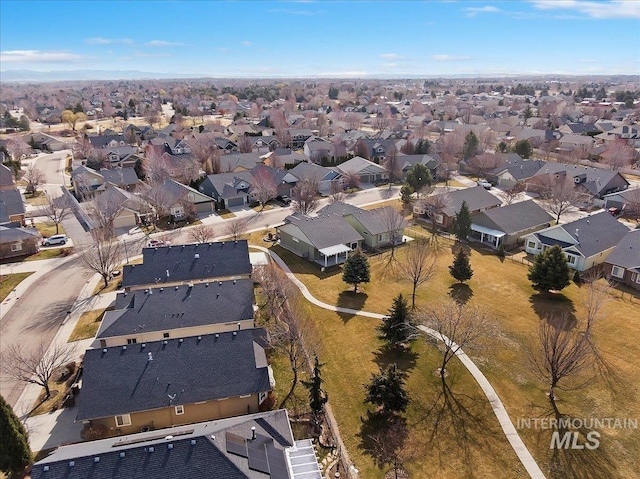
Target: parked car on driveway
154 243
284 199
54 240
485 184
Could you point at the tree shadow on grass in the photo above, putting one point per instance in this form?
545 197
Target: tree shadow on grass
404 357
350 300
461 293
567 462
462 422
548 305
383 437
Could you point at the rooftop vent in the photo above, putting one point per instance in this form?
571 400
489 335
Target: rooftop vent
161 289
122 454
149 357
235 333
193 442
217 335
143 345
45 468
164 342
181 340
169 446
124 348
253 433
72 463
151 449
196 256
199 338
104 350
167 273
96 459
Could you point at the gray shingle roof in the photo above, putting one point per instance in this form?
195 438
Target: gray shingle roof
123 381
10 204
325 231
227 185
6 176
627 252
216 260
477 198
206 459
519 168
596 180
513 218
374 221
179 307
592 234
120 176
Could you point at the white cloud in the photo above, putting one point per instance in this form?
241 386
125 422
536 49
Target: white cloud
473 11
344 74
38 56
450 58
390 65
607 9
389 56
163 43
246 43
108 41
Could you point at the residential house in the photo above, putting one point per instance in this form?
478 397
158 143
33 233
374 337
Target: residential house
237 162
628 201
12 208
158 384
7 178
508 224
378 227
17 241
586 242
326 240
515 171
253 446
368 171
316 148
588 129
325 177
375 149
432 162
88 182
171 266
228 189
180 200
107 140
42 141
283 180
623 264
593 182
299 136
443 207
132 210
155 314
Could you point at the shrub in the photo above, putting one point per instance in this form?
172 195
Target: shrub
501 251
92 433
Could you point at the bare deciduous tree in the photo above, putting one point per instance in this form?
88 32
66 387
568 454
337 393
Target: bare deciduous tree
236 227
17 147
83 148
34 178
263 185
156 165
205 149
417 266
104 211
484 163
245 145
336 192
35 365
57 209
102 255
394 223
458 326
512 194
561 194
393 165
351 179
619 154
305 196
201 233
563 352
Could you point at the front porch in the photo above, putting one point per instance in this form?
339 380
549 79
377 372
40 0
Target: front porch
333 255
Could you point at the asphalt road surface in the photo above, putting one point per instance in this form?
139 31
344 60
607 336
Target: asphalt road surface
38 314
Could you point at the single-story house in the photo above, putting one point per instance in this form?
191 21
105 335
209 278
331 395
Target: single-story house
628 201
595 182
623 264
326 240
87 181
228 189
12 208
7 180
17 241
369 171
508 224
432 162
515 171
378 227
171 266
179 198
443 207
254 446
323 175
155 314
586 242
283 180
137 387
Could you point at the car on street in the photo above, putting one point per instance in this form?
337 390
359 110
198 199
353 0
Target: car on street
154 243
485 184
284 199
54 240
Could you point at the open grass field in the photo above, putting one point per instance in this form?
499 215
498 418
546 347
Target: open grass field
470 444
87 326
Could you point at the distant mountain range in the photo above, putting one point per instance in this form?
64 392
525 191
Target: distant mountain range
71 75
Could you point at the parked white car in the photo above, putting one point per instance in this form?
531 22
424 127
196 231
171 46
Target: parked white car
485 184
54 240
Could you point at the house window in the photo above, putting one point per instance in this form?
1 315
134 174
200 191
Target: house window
177 212
617 272
262 397
571 259
179 410
635 277
123 420
531 244
380 237
439 218
354 245
132 340
16 247
165 335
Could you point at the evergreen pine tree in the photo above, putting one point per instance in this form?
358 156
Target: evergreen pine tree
470 147
356 269
318 397
15 454
550 270
398 327
461 267
462 222
386 389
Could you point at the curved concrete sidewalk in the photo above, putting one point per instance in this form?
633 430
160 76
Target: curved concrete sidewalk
499 410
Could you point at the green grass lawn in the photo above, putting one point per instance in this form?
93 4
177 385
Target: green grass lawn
45 253
348 343
9 281
48 228
87 326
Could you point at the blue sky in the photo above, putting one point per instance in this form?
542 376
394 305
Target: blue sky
323 38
